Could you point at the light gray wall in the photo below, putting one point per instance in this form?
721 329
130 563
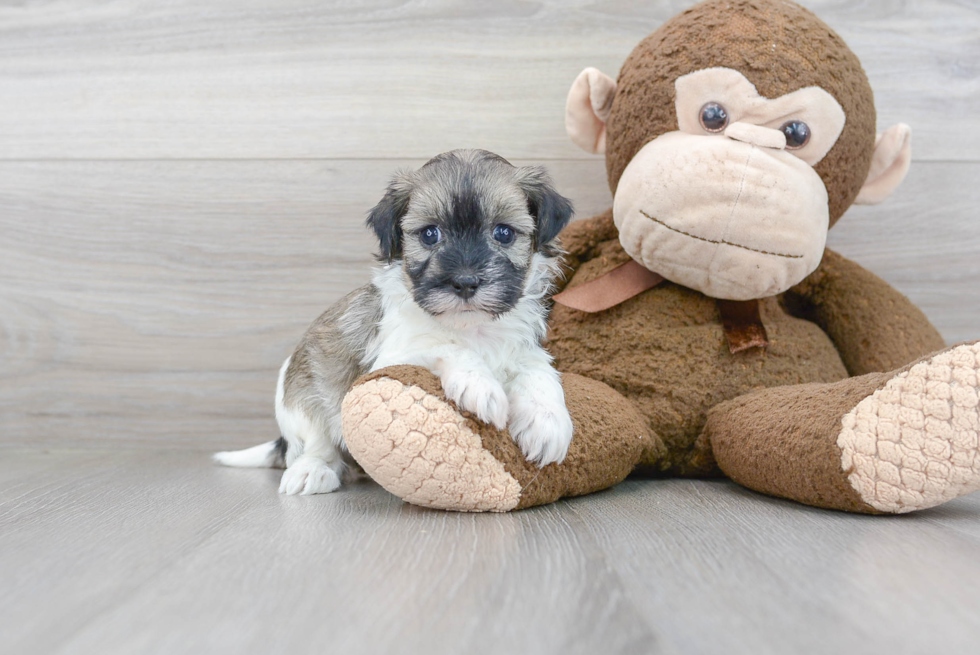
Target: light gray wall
182 185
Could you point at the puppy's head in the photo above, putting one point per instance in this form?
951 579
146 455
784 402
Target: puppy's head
466 227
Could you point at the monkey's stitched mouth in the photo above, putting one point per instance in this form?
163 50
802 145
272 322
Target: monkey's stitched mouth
722 242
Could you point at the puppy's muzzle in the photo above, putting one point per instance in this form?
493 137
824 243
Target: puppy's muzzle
465 285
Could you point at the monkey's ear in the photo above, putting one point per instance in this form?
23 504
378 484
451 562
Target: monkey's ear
385 219
587 110
550 209
889 164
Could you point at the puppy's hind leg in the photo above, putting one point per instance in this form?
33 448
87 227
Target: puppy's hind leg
319 464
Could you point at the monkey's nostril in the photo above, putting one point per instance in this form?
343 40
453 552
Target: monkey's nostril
465 285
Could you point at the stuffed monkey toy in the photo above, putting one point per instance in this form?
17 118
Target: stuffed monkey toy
703 328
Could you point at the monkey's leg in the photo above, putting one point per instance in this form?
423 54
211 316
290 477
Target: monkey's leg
879 443
414 442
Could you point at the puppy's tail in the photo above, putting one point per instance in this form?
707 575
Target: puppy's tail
271 454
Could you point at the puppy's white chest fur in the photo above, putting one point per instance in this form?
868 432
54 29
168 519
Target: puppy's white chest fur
495 368
408 335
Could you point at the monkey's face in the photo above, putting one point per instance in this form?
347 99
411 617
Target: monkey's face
729 204
736 135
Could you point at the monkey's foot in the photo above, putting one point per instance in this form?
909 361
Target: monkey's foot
913 443
418 445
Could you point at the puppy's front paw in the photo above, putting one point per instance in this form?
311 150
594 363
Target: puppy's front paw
309 475
543 430
479 393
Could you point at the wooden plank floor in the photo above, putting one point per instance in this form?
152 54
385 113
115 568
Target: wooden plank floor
161 552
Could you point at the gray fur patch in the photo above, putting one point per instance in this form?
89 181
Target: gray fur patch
334 352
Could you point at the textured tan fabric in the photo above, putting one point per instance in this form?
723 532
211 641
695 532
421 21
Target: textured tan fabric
409 438
422 450
729 219
913 443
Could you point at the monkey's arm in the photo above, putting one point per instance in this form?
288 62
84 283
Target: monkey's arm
874 327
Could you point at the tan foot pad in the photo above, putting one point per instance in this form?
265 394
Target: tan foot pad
422 450
913 444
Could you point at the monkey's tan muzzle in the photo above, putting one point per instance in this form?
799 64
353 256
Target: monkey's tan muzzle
735 216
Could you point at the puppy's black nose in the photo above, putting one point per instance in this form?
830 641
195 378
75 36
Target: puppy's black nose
465 285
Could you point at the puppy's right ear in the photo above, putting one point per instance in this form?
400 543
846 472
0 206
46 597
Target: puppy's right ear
386 217
550 209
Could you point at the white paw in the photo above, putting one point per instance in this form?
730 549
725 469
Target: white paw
543 430
309 475
478 393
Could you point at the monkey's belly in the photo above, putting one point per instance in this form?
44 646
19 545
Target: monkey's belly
666 351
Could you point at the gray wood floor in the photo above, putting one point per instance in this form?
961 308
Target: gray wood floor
159 552
182 189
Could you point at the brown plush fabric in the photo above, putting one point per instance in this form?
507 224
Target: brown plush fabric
783 441
666 351
610 439
581 239
779 46
678 401
873 326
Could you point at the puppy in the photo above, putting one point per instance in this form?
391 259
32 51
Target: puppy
469 249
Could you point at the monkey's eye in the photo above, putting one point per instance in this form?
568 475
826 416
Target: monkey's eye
430 235
797 134
714 117
505 234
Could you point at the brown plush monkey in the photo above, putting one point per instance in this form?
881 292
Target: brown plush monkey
704 328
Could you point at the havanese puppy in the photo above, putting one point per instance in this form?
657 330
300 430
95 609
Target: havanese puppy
469 252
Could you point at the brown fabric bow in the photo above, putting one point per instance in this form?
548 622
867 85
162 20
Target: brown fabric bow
739 318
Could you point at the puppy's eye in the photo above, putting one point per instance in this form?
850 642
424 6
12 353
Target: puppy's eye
797 134
505 234
430 235
714 117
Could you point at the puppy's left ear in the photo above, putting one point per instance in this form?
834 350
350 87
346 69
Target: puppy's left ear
386 217
550 209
